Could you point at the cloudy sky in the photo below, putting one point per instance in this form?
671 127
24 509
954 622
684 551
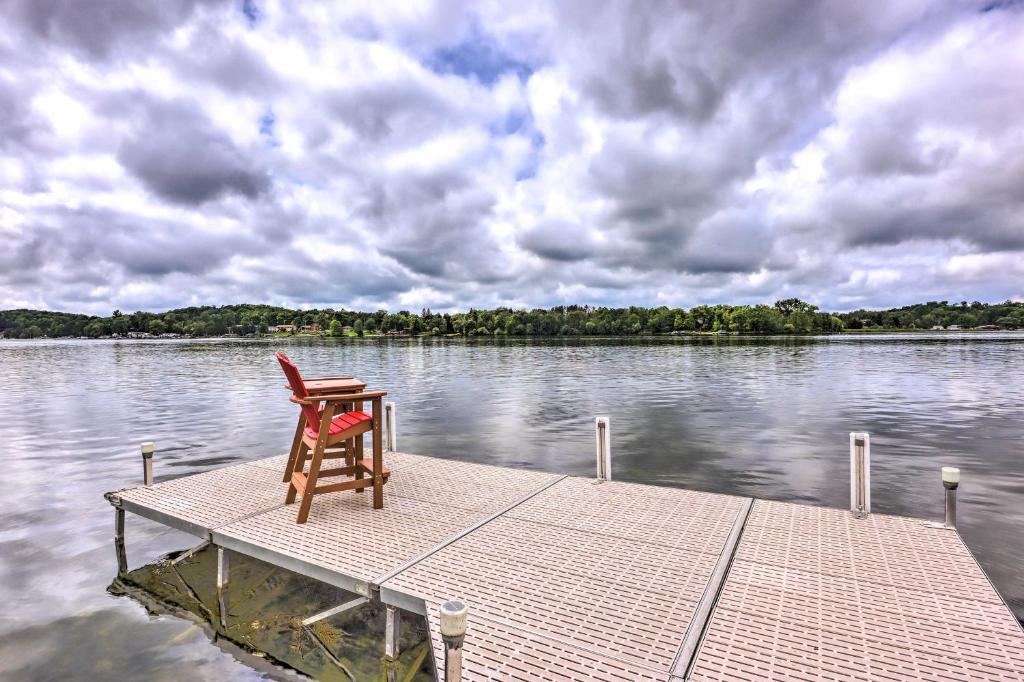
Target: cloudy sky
160 154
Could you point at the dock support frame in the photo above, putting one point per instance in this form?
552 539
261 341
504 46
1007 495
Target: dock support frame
188 553
341 608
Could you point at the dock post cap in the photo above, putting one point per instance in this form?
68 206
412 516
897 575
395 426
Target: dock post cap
147 448
453 619
950 477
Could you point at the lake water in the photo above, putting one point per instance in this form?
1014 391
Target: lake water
762 417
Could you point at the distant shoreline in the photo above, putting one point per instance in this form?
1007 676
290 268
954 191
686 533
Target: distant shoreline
789 317
670 335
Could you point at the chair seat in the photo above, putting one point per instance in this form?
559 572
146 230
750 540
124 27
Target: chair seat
342 422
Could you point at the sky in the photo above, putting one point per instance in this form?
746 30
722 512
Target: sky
414 154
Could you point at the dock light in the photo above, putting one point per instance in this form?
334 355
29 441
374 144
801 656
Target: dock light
147 462
453 632
950 481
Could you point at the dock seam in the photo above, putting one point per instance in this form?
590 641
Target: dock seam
687 652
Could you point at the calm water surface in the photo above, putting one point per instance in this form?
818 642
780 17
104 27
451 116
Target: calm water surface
764 417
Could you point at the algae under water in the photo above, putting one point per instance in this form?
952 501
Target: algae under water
265 609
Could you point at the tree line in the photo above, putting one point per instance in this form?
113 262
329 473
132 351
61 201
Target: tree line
789 316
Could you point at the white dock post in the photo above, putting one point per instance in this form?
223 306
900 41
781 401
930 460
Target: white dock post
453 632
391 426
222 586
860 474
122 557
602 427
147 463
950 481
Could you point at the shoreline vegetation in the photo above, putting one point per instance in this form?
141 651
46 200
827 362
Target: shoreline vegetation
789 316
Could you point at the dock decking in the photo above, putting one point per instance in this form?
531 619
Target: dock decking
568 578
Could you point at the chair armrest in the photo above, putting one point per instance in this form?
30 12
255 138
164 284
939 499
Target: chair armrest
341 398
308 379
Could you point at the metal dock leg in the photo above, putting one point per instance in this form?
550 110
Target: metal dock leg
222 586
392 625
391 629
122 556
950 481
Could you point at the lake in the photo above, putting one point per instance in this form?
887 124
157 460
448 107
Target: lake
767 417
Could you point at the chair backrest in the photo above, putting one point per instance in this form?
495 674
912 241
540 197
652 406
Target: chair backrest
299 390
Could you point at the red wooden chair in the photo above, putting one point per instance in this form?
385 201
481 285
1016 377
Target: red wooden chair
336 425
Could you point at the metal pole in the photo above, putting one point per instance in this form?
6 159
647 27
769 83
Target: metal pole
453 632
391 629
122 556
602 428
222 585
950 481
390 426
147 463
860 474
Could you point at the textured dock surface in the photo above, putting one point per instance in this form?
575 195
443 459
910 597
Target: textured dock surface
814 593
567 578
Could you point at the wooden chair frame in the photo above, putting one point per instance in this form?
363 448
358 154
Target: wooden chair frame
350 444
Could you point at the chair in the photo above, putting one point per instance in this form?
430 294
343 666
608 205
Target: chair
337 424
317 387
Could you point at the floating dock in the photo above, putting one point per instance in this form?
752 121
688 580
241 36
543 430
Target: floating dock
568 578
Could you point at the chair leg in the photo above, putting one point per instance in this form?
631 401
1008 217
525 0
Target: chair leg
298 465
294 452
357 452
314 473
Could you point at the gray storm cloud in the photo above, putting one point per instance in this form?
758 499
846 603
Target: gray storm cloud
182 152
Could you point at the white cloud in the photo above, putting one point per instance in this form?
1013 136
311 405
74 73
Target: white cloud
449 155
